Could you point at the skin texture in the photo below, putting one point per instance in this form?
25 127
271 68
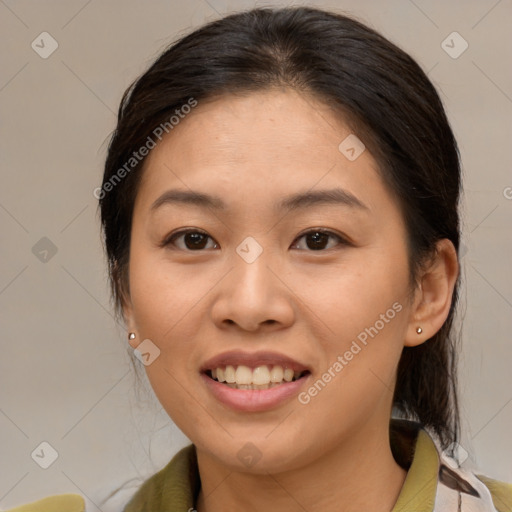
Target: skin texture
308 304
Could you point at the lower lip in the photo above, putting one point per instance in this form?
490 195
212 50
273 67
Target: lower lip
253 400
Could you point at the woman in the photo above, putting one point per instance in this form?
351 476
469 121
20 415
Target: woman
279 207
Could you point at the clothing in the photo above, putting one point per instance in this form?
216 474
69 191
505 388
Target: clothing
431 480
59 503
434 482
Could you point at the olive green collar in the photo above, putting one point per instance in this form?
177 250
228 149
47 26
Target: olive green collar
415 450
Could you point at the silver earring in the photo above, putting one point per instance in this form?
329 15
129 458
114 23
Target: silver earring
419 330
131 336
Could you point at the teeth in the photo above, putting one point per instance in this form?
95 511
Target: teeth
288 375
262 377
229 374
276 375
243 375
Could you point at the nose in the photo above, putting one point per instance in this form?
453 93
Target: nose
254 296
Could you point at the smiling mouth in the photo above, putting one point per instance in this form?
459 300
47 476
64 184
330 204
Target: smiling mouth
261 377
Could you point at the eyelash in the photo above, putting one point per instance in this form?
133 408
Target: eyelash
169 240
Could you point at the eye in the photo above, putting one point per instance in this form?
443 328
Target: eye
192 238
196 240
317 238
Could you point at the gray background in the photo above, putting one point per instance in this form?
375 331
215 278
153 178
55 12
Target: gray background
65 376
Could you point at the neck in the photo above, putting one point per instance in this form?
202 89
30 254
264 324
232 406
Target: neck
360 474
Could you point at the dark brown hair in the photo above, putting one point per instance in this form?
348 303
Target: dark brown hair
378 89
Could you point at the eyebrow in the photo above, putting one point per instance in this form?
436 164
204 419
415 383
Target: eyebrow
296 201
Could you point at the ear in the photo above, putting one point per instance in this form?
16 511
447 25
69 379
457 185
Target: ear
433 297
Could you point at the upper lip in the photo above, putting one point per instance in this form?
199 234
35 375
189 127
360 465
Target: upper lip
252 360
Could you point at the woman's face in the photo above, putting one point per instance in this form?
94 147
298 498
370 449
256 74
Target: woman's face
255 289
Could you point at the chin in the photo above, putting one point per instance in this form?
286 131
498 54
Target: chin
258 455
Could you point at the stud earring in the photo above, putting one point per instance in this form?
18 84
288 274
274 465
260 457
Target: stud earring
419 330
131 336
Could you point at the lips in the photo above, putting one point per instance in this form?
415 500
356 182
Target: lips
254 382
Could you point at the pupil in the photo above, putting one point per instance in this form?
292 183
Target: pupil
317 238
196 239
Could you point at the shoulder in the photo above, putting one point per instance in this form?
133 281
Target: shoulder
501 493
59 503
416 448
174 487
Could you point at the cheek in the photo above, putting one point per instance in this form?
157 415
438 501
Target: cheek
168 309
350 296
163 301
358 377
364 311
161 295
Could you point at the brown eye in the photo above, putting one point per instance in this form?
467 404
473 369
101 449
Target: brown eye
317 240
193 240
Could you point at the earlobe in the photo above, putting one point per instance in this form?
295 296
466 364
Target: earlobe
132 335
132 340
130 323
434 295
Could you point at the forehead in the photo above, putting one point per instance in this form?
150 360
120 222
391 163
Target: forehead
256 146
